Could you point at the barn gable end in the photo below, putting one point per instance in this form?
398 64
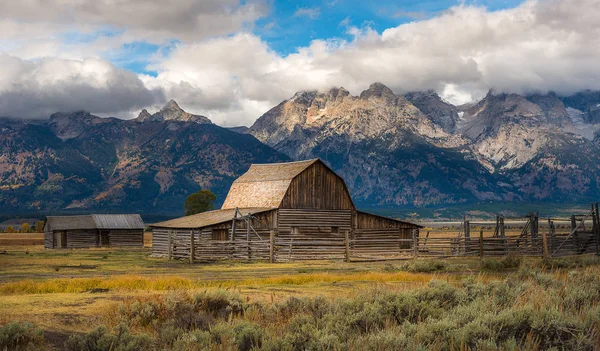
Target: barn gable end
318 188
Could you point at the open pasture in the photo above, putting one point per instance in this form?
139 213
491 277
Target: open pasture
71 292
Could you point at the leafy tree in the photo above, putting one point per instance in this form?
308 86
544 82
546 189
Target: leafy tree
39 227
201 201
10 229
25 228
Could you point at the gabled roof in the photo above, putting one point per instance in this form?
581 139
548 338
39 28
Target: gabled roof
264 185
95 221
206 219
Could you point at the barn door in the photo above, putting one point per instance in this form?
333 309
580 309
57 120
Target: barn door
104 238
61 239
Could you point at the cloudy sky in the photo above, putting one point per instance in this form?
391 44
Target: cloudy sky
233 60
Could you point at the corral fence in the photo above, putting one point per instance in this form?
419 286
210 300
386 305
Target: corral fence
550 237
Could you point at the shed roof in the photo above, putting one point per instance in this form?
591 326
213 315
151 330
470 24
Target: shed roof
264 185
206 219
94 221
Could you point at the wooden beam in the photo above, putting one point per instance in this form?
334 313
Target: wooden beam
481 244
415 243
192 248
545 253
347 245
170 245
272 246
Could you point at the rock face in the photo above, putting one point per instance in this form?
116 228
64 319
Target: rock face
419 150
81 162
171 112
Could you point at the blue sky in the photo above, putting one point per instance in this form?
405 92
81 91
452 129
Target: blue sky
290 25
233 60
293 24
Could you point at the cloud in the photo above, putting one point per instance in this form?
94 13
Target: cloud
461 53
309 12
233 79
155 21
37 89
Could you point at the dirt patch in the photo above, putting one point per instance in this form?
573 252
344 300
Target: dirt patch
56 339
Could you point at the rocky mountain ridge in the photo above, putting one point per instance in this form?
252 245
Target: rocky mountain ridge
417 149
80 162
409 150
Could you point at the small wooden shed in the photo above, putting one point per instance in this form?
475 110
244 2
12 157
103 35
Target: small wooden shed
283 211
96 230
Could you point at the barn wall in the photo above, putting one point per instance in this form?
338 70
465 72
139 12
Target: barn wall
309 234
126 237
48 240
317 188
375 236
81 238
207 249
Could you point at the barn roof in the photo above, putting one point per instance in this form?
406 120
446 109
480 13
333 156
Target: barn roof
94 221
205 219
264 185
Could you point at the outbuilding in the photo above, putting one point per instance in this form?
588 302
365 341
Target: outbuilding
96 230
284 211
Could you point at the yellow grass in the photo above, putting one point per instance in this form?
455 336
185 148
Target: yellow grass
134 282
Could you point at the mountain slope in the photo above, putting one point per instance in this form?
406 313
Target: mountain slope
81 162
389 151
419 150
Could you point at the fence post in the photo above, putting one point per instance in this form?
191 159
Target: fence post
192 248
272 246
545 244
597 230
170 245
467 228
347 243
415 244
481 244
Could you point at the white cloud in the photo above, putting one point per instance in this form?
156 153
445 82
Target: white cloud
310 12
538 46
37 89
461 53
186 20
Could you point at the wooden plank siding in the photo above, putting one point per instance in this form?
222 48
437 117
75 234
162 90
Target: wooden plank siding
48 240
317 188
312 234
126 238
378 237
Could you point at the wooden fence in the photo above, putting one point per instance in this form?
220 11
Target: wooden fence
364 248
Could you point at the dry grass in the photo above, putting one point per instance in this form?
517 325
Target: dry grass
21 239
125 283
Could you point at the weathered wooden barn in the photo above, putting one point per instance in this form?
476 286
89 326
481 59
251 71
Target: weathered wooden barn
283 211
97 230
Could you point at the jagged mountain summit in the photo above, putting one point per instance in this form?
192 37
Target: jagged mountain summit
393 150
417 149
81 162
171 112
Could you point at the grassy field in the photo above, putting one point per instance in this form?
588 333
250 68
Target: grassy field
159 304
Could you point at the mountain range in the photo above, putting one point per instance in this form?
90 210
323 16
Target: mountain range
409 150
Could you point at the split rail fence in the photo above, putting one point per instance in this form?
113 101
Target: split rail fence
581 237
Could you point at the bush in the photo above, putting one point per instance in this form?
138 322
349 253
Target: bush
508 262
100 339
248 336
20 336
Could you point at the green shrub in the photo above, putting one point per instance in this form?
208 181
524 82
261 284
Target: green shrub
427 266
248 336
508 262
20 336
100 339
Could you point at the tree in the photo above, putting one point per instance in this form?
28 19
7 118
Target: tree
25 227
201 201
39 227
10 229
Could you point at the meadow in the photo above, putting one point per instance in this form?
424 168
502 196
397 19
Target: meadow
123 299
